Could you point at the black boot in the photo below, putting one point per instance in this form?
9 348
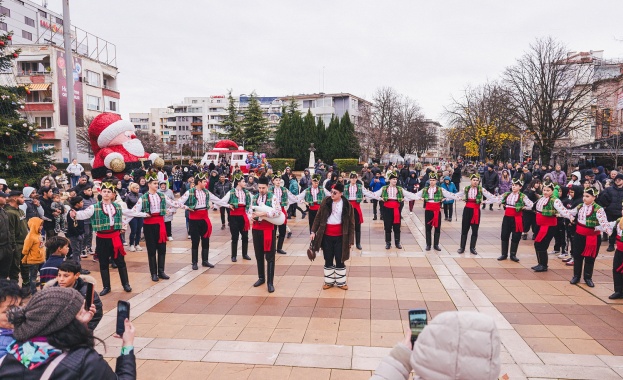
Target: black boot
245 248
261 277
194 254
538 261
125 281
462 246
514 257
271 276
398 245
514 247
542 267
234 250
153 266
504 255
105 281
358 238
436 240
205 255
388 240
161 260
472 244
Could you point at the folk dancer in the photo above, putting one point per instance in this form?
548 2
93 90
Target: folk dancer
433 196
591 221
285 199
546 208
355 191
238 200
473 197
512 223
155 204
107 222
313 197
334 232
264 232
197 201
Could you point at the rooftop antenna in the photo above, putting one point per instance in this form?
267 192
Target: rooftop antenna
45 3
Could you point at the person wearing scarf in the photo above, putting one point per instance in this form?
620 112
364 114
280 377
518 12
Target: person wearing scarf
238 200
313 197
546 208
473 196
197 201
512 223
264 232
591 220
107 222
155 204
433 197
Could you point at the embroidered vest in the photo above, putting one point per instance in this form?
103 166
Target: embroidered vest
478 194
591 220
437 197
616 228
359 192
284 195
145 206
101 222
233 199
310 199
519 205
269 199
191 202
385 196
549 209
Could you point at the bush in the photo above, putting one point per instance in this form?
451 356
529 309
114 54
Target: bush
280 164
347 164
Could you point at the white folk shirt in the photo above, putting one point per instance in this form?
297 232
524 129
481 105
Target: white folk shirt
241 196
154 203
314 193
110 211
473 192
587 210
431 194
513 198
261 200
352 192
557 205
336 212
201 199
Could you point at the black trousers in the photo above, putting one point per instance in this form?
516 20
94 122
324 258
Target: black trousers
311 218
236 227
543 245
508 231
223 209
428 218
292 209
282 235
529 221
332 251
579 242
6 258
560 241
105 254
357 229
152 234
167 225
197 228
375 202
261 255
447 210
616 276
389 225
466 224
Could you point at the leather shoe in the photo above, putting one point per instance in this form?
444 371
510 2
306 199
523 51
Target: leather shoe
388 245
246 257
85 271
271 288
289 235
616 295
154 278
474 252
460 250
281 251
195 267
540 268
610 248
163 276
359 247
574 280
127 288
374 217
436 248
428 247
398 245
503 257
259 282
207 264
589 282
514 258
104 291
534 267
113 265
234 259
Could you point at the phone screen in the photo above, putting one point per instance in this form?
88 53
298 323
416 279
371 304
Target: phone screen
89 296
417 322
123 312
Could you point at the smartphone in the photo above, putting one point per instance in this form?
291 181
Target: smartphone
418 318
123 312
89 296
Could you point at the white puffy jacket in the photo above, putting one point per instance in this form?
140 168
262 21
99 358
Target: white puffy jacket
455 345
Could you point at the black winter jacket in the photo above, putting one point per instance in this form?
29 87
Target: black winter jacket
611 200
490 180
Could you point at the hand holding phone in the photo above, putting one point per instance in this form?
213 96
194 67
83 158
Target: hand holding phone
418 319
88 297
123 313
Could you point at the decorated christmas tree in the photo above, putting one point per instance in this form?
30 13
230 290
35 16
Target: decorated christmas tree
19 164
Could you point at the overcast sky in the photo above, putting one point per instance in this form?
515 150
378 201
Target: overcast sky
428 50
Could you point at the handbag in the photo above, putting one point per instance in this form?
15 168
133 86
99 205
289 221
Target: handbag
311 255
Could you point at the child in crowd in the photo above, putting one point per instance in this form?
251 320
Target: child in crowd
10 296
33 253
57 205
57 247
75 232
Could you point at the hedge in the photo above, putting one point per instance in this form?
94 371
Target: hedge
280 164
347 164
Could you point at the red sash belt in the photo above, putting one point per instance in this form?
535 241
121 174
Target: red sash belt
202 215
158 219
510 211
314 207
240 210
619 248
333 230
115 236
283 209
268 228
395 205
357 208
544 223
471 203
434 207
590 248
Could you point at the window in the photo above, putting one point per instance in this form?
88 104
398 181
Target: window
29 21
308 104
194 102
3 26
41 146
44 122
59 21
27 35
5 11
29 67
93 103
43 14
93 78
112 106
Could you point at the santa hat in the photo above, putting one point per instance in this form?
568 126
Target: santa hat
105 127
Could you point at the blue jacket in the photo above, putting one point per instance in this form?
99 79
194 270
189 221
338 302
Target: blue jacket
451 188
374 186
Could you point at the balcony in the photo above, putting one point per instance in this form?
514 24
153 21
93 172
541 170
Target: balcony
172 142
196 133
197 124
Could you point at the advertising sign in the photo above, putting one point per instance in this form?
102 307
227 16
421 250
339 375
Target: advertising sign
62 88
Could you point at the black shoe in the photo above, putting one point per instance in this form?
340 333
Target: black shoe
589 282
374 217
304 215
85 271
207 264
104 291
524 237
195 267
474 252
114 265
154 278
246 257
460 250
398 245
536 266
388 245
127 288
533 236
574 280
359 247
610 248
540 268
289 235
616 295
428 247
514 258
234 259
503 257
223 227
163 275
259 282
436 248
281 251
271 288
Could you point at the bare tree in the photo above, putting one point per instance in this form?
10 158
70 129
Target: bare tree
82 135
409 133
386 102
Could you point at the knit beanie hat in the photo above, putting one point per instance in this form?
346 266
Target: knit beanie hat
47 312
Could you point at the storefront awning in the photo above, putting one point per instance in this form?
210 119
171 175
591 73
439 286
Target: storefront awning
39 86
31 58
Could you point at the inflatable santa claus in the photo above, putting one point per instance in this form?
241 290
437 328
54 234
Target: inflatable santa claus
116 147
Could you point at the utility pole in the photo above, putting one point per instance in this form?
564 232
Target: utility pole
69 67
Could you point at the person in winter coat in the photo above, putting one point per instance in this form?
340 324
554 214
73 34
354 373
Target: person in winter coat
305 180
448 203
611 200
293 186
88 200
33 253
573 200
601 175
456 176
575 179
505 183
412 186
31 206
222 187
558 176
136 224
251 185
490 181
376 184
459 345
163 187
61 339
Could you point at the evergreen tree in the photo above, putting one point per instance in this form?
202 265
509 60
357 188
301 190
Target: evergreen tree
255 126
231 123
309 136
347 139
283 134
321 136
19 165
332 144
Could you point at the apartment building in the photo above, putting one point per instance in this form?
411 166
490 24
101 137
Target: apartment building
324 106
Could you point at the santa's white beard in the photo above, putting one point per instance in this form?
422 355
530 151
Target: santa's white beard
135 147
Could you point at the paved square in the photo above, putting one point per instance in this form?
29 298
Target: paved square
213 324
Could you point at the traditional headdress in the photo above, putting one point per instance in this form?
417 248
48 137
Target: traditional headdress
201 176
263 180
338 187
592 191
391 175
475 175
353 174
517 181
316 177
432 175
238 176
277 175
550 185
109 185
152 175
